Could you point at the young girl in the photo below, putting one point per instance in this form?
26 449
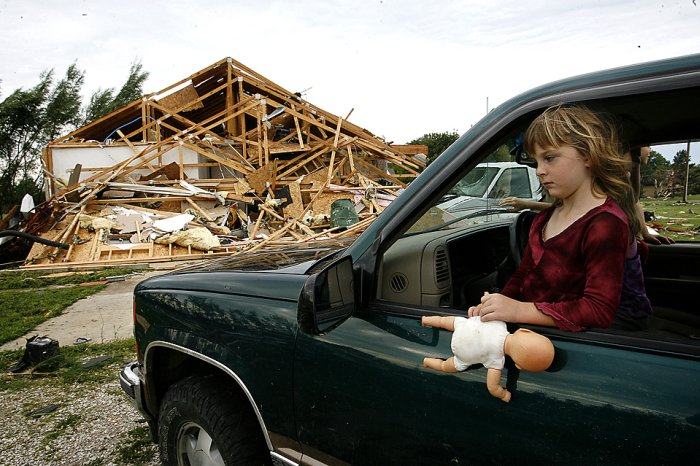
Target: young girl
572 271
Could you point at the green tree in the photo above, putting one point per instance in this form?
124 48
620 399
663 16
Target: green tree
655 171
436 142
678 166
104 101
502 152
680 159
694 179
29 120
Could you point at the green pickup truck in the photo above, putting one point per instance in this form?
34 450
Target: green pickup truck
314 355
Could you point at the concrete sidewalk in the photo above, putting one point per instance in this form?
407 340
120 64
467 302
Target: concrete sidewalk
104 316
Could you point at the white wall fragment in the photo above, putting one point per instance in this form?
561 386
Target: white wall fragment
175 223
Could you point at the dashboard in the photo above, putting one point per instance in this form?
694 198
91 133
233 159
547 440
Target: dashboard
447 268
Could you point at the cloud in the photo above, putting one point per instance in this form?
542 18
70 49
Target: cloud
407 68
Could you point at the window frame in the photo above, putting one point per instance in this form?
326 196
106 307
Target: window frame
472 153
607 338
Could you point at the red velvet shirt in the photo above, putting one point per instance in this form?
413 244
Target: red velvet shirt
575 277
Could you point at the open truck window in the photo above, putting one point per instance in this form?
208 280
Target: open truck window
465 243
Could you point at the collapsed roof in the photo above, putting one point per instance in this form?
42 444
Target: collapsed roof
251 162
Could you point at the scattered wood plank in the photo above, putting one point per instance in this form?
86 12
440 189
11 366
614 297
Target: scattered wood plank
254 142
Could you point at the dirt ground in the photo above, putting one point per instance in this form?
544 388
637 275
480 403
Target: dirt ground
91 425
91 422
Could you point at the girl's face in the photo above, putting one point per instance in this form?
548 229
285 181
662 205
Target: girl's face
562 170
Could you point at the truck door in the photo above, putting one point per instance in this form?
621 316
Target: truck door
361 396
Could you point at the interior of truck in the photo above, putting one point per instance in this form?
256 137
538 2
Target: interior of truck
447 260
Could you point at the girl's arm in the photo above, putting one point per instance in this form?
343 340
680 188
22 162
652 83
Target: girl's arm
496 306
646 236
604 248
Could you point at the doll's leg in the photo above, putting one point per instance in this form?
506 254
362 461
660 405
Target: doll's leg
447 323
440 365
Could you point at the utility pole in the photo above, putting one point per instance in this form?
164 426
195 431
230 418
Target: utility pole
687 169
487 105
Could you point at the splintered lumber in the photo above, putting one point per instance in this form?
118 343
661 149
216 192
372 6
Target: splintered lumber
224 152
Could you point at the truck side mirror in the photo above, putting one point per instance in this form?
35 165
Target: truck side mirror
328 298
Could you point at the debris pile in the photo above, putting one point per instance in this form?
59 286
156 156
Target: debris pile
223 162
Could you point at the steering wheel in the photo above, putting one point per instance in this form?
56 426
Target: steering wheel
520 234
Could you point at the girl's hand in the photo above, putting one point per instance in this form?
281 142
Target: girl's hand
655 239
495 306
474 311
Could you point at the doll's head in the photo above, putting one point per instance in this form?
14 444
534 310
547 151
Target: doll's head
529 351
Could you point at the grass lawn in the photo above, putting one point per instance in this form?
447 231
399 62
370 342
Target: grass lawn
25 300
21 311
678 221
69 365
16 279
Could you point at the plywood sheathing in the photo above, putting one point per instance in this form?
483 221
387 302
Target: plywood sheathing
186 97
263 178
296 207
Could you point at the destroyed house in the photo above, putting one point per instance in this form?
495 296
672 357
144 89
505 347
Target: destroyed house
222 162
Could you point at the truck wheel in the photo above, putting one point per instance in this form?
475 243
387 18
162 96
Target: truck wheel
202 422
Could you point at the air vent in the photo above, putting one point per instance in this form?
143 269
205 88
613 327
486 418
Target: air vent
442 268
398 283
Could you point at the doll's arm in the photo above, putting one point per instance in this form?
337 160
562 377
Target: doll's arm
493 383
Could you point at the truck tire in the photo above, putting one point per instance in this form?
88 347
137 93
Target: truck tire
203 421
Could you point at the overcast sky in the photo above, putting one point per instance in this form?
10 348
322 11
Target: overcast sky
407 68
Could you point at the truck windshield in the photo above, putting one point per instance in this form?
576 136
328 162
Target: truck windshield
475 183
462 221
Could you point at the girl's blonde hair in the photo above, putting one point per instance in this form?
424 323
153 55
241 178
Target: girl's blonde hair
595 138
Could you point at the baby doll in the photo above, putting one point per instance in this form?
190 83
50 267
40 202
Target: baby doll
487 343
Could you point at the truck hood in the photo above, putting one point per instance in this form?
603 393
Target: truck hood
291 259
275 273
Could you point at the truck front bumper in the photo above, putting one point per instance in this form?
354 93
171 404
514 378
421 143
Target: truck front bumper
131 381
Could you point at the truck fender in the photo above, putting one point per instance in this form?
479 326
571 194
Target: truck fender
212 362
